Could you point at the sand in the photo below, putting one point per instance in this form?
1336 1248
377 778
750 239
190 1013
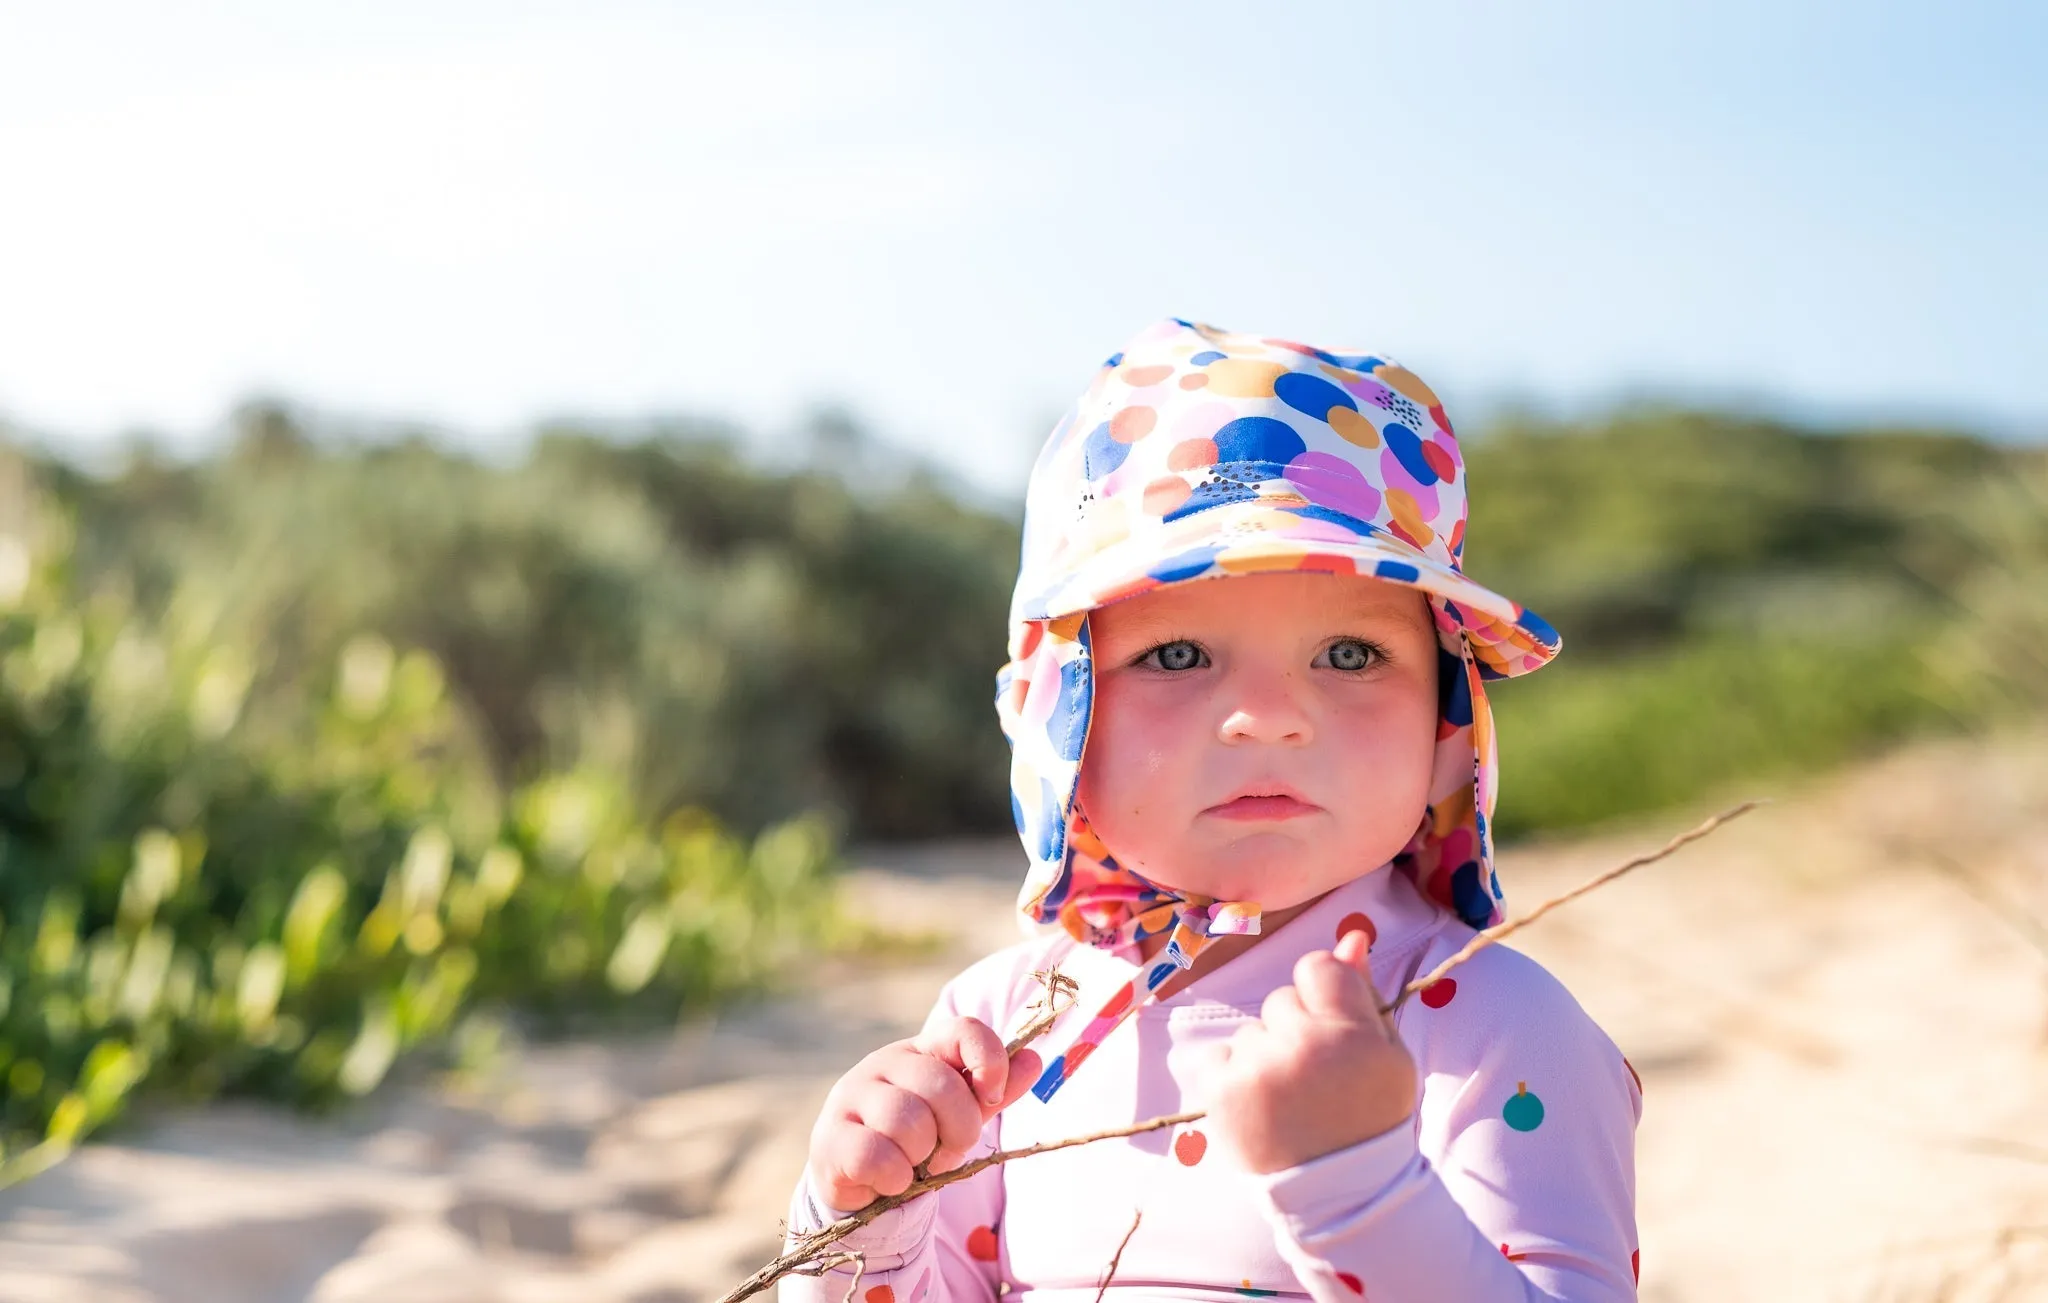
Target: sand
1839 1008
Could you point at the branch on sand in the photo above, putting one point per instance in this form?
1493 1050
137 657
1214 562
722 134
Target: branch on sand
803 1255
1116 1259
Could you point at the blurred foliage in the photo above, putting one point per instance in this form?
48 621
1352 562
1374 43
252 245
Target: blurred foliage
206 890
1741 599
650 603
1737 596
313 751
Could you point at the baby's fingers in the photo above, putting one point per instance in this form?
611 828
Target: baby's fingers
857 1163
972 1047
951 1117
1339 986
1024 1070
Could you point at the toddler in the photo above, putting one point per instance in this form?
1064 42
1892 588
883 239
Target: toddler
1254 810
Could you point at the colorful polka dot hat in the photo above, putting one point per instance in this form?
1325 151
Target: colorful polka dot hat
1198 454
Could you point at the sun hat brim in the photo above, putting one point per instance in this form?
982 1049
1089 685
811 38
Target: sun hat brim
1264 536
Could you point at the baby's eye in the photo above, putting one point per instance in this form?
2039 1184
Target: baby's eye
1177 655
1352 654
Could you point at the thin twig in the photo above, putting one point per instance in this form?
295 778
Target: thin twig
832 1262
1057 995
1502 930
1118 1256
809 1248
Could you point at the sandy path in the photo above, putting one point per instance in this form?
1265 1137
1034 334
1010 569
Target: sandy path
1844 1050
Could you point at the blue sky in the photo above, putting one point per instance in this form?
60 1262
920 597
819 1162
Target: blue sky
944 215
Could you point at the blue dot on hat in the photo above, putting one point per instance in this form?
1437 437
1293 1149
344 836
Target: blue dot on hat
1260 438
1213 493
1068 725
1103 452
1539 627
1052 828
1468 895
1407 449
1205 357
1398 571
1332 516
1186 565
1454 691
1311 395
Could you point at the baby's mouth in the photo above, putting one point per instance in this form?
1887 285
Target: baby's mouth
1269 805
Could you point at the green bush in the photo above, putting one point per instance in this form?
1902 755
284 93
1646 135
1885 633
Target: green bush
752 642
195 899
1583 742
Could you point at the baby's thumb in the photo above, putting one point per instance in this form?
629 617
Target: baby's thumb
1354 951
1025 1066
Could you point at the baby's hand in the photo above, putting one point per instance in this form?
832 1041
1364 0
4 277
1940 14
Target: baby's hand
1320 1071
924 1099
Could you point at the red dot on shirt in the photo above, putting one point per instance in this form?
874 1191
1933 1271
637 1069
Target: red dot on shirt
1438 993
1352 1283
1358 923
1189 1146
1635 1265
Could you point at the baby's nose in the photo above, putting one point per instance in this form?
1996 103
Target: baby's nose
1279 721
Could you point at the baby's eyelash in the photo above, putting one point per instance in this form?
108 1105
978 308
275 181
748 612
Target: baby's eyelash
1377 652
1162 644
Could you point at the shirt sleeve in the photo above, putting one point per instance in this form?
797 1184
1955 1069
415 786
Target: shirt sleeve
1517 1181
942 1248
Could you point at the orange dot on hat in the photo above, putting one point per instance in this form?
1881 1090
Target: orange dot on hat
1194 380
1238 377
1354 427
1165 493
1407 384
1132 424
1137 377
1191 454
1408 515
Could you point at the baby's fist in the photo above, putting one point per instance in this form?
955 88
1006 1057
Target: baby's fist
923 1100
1320 1071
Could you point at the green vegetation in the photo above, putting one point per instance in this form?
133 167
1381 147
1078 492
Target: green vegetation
316 752
1741 600
211 884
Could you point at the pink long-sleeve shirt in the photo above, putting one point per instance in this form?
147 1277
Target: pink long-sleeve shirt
1514 1181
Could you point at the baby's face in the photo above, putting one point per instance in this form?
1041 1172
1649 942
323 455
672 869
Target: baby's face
1264 737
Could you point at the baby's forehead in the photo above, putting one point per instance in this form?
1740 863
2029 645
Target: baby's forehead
1257 600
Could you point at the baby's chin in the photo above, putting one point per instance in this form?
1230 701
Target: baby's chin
1274 877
